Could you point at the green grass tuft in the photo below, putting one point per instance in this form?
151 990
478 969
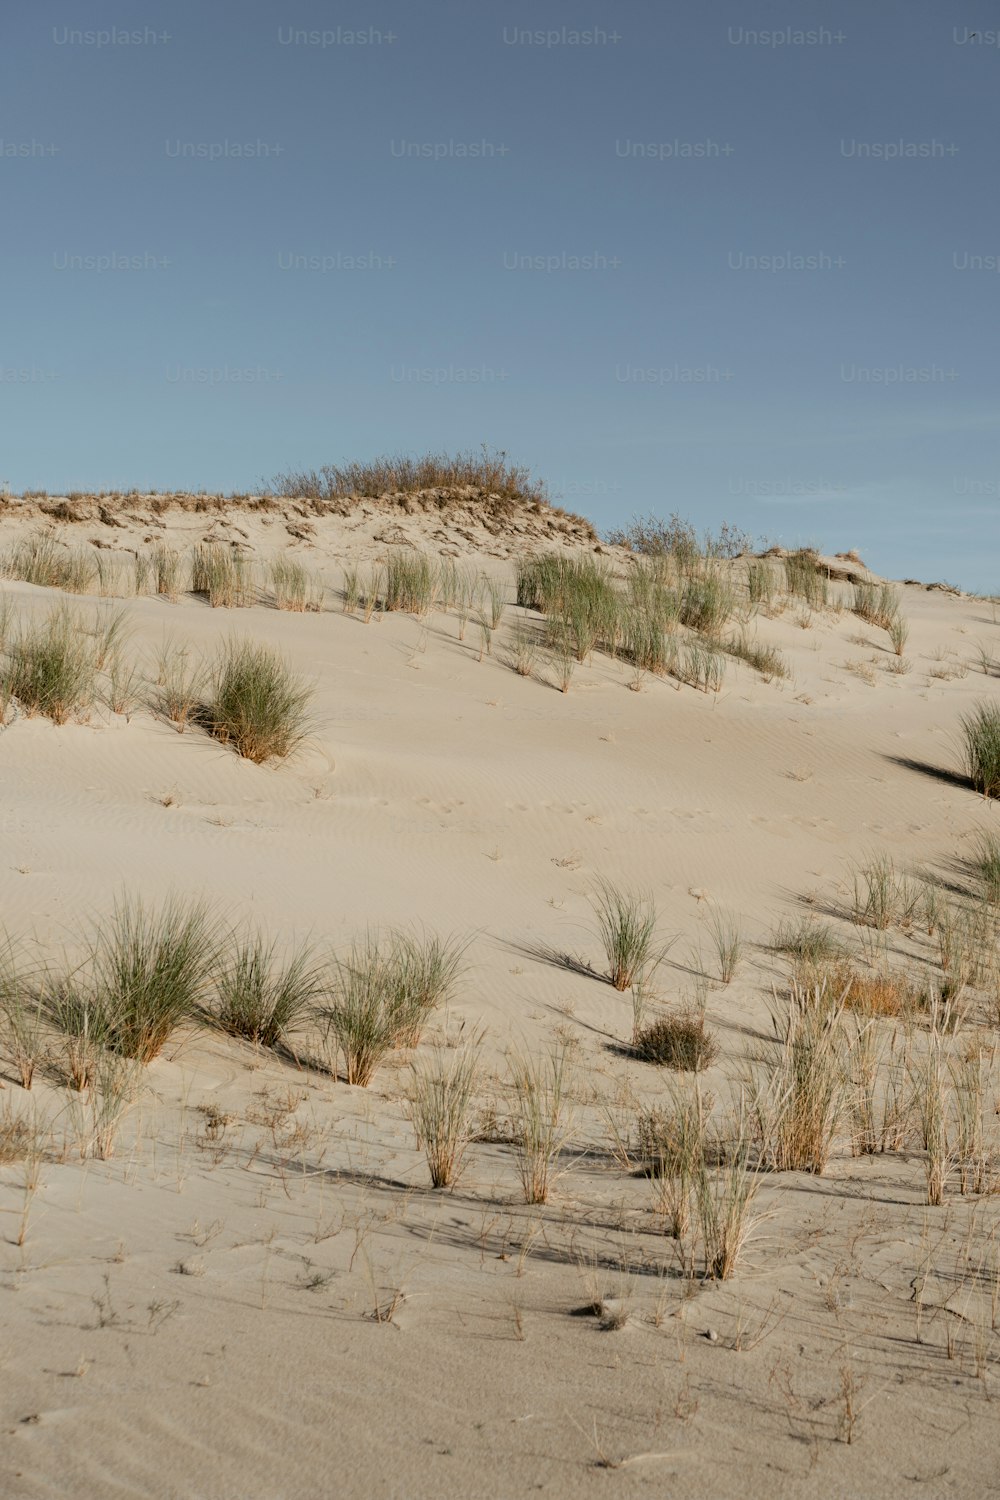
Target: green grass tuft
258 705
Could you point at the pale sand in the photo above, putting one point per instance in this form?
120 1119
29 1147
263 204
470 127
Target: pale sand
452 793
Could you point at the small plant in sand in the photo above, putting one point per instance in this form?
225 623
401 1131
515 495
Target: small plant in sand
727 938
482 619
680 1041
627 927
179 685
295 587
96 1115
724 1203
931 1101
51 669
899 633
149 973
258 705
493 599
561 654
981 733
126 684
263 995
351 589
522 654
441 1111
542 1122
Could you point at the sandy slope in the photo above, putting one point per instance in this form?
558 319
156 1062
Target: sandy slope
194 1317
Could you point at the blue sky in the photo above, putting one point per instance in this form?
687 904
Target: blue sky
736 261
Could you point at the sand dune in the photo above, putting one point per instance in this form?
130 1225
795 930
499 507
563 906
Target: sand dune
278 1305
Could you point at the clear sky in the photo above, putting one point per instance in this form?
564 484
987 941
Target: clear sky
736 260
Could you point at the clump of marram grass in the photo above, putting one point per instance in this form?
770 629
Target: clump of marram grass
680 1041
409 582
21 1029
762 585
674 1143
429 969
146 975
258 704
260 995
724 1203
560 653
647 641
363 1019
881 896
73 1011
627 927
51 669
42 560
579 598
294 587
223 576
795 1108
165 563
877 1072
96 1116
701 665
150 971
876 603
932 1087
767 660
805 578
383 992
126 684
981 733
542 1123
985 864
707 601
440 1106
